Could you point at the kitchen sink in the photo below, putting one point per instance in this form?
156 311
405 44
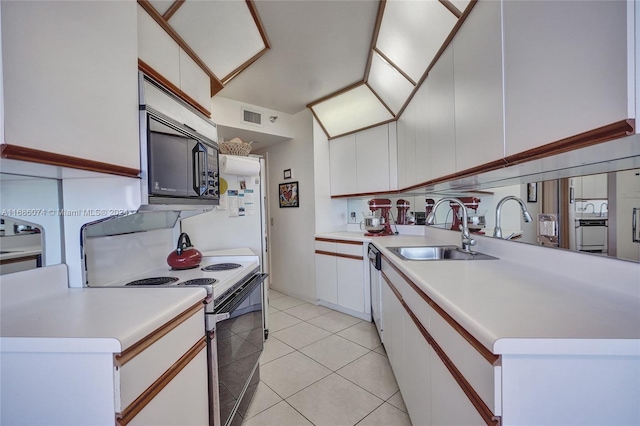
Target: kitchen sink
437 253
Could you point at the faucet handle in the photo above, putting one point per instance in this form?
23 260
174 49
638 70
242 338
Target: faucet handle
472 242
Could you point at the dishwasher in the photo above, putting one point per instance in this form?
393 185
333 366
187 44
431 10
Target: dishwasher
375 279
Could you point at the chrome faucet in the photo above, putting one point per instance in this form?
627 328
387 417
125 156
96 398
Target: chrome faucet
497 231
601 208
593 208
467 241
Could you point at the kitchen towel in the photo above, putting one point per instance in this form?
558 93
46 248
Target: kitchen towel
242 166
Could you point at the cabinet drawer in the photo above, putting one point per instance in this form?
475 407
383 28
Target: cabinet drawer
328 246
184 401
350 249
142 365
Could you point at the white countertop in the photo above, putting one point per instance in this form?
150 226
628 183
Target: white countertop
14 253
508 306
85 319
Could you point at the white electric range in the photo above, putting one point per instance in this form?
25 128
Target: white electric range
217 274
233 317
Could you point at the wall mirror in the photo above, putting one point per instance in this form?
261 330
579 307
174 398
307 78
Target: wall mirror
31 223
598 214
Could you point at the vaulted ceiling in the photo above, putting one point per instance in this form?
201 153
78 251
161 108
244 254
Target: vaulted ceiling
354 63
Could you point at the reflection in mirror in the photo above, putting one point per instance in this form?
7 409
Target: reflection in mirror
20 245
592 214
31 222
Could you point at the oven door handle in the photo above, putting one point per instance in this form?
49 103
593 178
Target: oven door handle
221 317
240 295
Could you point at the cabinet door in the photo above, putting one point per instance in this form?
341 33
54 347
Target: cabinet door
184 401
342 164
401 136
350 276
70 79
449 404
326 282
565 65
157 49
440 115
409 163
372 166
477 60
423 145
393 317
594 186
194 81
416 389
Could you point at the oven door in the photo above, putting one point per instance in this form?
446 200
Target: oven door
239 341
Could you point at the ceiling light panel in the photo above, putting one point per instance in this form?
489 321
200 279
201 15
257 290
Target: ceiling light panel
460 4
161 5
352 110
392 87
222 33
412 32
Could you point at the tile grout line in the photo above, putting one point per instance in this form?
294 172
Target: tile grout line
331 371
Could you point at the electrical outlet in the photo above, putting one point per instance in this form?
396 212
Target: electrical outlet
353 215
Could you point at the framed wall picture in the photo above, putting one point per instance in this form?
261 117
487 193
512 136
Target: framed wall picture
287 174
288 194
532 192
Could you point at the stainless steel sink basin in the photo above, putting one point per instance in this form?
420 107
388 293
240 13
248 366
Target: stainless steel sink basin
437 253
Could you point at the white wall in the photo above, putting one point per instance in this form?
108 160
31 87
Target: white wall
227 112
331 215
292 229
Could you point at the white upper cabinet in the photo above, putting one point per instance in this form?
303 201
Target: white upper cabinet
423 146
361 162
194 82
477 71
440 117
157 48
406 126
70 79
566 69
342 164
372 147
161 52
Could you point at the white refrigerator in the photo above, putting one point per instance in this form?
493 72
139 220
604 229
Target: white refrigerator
240 219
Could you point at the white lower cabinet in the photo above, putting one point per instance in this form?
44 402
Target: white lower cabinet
161 379
183 401
342 276
449 404
436 368
417 380
393 317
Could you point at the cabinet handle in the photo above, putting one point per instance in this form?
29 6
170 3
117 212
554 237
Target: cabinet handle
634 225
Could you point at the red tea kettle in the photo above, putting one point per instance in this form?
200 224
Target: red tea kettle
185 256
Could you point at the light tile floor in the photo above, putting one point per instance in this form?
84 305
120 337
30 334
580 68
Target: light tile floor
322 367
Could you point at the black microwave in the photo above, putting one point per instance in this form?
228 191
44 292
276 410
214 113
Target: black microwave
182 165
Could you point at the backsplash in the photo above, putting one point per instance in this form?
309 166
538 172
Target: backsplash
115 258
621 276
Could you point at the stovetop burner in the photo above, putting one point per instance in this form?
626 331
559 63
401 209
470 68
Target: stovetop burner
153 281
199 281
222 267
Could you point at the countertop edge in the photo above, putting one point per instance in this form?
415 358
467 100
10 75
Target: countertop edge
592 347
60 344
